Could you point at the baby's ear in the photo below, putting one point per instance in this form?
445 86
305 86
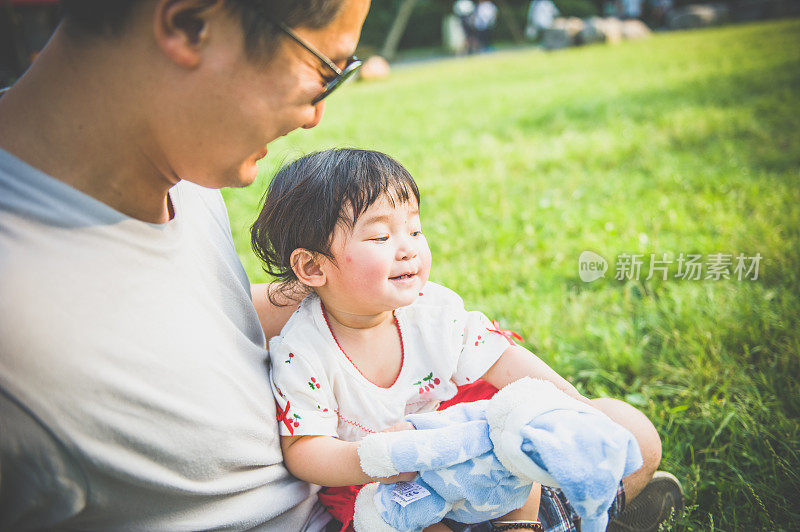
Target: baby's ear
306 266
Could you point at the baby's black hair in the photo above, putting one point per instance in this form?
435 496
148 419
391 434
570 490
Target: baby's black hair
310 196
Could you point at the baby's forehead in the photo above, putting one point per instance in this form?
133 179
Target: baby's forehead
387 205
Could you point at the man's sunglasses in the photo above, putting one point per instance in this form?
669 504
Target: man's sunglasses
352 66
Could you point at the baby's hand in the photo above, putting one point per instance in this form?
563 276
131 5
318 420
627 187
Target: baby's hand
403 425
402 477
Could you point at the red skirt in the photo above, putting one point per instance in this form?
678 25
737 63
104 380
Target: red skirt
340 501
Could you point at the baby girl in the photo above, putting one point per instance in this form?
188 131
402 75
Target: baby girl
373 340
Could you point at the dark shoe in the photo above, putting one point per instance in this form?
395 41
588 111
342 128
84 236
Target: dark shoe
661 501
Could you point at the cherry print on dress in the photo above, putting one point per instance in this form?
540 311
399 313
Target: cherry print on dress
427 383
283 417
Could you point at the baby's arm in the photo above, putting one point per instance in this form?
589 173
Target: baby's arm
329 461
517 362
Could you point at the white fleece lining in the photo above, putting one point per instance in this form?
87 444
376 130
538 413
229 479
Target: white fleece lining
366 517
516 405
376 459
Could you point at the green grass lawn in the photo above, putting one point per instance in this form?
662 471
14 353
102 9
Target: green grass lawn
684 143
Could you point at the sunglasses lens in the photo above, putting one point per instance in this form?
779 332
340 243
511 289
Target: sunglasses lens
351 68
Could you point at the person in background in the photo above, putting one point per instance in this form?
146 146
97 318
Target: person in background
611 8
659 9
484 20
541 14
631 9
465 10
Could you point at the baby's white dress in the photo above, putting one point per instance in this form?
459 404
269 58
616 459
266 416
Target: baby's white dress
319 391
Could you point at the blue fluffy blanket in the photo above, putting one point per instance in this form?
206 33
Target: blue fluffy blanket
477 461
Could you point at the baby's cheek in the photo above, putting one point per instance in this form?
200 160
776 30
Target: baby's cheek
366 264
374 271
371 270
425 257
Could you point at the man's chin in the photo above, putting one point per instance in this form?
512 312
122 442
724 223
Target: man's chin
245 178
248 171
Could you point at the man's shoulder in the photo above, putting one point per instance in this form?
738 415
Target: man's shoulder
28 194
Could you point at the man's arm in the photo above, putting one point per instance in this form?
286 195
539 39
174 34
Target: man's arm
272 317
42 484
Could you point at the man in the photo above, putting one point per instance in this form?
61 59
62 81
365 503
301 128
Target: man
133 391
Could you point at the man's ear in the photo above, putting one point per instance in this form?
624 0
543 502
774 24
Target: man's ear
308 268
181 28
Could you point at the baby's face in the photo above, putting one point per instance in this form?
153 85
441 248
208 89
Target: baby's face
383 263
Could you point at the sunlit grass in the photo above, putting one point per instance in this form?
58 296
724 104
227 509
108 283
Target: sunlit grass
684 143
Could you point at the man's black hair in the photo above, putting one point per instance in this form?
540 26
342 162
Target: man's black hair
258 17
309 197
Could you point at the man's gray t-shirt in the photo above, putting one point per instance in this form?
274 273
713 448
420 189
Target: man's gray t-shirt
133 387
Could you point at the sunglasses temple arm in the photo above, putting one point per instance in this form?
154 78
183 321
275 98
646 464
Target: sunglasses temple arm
286 29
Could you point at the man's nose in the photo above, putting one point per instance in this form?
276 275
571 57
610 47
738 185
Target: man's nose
319 110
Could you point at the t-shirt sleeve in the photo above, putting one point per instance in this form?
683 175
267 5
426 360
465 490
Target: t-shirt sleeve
304 400
480 346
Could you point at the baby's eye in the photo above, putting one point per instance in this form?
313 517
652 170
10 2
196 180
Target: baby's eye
416 233
380 239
